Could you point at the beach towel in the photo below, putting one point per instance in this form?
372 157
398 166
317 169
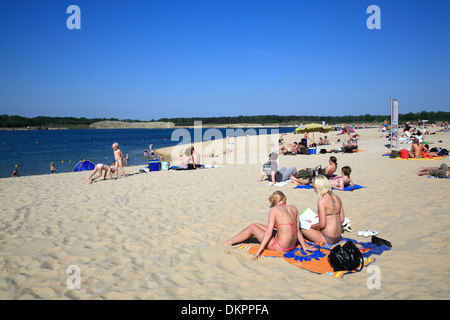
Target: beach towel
355 187
203 166
433 177
316 261
279 184
423 159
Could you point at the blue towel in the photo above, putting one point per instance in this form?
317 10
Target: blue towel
433 177
304 187
356 186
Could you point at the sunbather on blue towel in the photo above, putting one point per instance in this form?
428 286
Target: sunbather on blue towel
344 181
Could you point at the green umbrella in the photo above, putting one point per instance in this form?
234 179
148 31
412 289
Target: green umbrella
313 127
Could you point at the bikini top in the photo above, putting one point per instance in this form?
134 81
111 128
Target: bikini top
282 204
332 214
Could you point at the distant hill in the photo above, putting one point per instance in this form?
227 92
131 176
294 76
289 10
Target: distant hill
130 125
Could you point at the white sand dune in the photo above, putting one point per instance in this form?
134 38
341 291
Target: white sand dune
159 235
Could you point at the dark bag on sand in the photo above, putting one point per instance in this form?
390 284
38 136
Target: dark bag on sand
307 173
379 242
310 173
394 154
346 257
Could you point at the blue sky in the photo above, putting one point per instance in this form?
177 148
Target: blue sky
150 59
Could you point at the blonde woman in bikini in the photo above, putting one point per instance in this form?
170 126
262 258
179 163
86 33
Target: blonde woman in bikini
330 212
281 233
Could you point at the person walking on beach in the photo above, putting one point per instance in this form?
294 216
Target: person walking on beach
283 218
100 167
330 212
118 156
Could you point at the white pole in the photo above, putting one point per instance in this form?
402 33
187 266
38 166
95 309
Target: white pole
391 121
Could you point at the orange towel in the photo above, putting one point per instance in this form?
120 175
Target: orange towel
314 261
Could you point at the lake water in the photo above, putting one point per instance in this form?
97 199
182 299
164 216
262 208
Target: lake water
32 151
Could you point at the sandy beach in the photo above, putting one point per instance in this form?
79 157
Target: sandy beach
160 235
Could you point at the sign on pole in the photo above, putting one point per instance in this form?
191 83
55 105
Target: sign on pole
394 120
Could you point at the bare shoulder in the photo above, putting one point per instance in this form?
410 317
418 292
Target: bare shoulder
336 198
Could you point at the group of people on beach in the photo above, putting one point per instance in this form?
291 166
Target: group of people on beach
302 146
305 175
283 232
419 149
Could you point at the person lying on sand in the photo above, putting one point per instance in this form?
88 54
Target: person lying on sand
300 179
436 151
442 172
282 217
344 181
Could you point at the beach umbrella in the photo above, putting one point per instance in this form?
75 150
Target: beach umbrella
313 127
348 129
84 165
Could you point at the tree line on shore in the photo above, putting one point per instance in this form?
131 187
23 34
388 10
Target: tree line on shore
14 121
431 116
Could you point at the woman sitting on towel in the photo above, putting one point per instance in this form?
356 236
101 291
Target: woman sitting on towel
282 231
330 212
332 166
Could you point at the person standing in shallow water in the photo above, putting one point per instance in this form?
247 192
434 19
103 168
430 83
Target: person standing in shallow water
284 219
52 168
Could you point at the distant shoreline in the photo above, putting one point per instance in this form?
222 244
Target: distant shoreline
166 125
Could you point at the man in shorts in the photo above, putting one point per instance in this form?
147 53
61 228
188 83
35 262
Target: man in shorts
442 172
